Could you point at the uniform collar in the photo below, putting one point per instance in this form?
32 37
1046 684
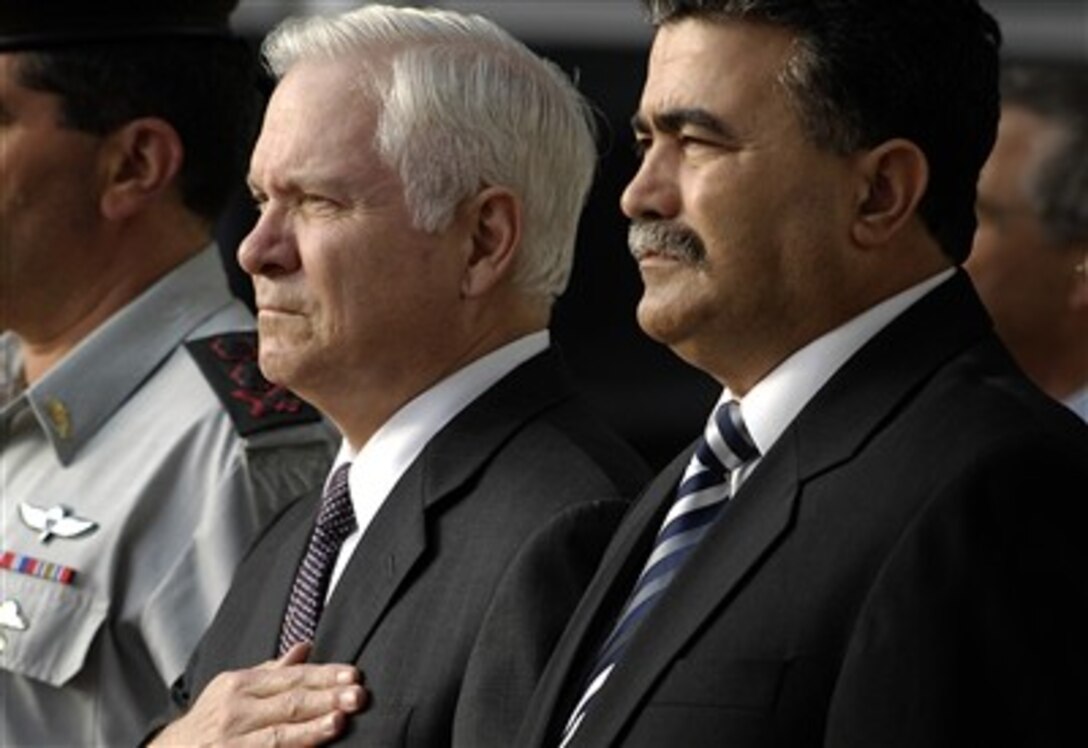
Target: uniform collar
75 398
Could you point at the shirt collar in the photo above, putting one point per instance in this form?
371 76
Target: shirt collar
389 453
77 396
773 403
1078 403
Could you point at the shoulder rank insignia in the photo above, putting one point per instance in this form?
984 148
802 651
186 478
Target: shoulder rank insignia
55 521
229 361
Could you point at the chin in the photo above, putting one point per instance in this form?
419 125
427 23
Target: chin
277 366
285 351
660 325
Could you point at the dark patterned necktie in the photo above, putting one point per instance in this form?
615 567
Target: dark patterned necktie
703 491
335 521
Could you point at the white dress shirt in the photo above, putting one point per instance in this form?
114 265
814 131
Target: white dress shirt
774 402
1078 403
381 462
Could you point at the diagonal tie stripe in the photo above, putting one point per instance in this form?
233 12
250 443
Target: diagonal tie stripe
700 496
730 441
335 521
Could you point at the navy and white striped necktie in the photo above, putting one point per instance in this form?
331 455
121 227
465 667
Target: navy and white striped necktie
703 491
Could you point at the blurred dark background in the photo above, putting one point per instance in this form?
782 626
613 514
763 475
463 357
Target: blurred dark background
654 399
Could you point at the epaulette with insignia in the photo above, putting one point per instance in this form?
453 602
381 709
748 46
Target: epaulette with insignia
229 362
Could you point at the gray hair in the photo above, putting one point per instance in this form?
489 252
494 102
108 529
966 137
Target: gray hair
1058 190
464 105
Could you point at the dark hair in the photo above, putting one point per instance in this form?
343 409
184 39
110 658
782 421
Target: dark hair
866 71
1057 92
206 89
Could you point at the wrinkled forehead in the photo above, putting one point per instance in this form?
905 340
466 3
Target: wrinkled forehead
702 55
727 67
321 98
318 121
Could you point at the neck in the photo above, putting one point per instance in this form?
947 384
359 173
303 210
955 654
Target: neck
117 280
359 411
1060 370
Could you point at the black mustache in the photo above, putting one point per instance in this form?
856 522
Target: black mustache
665 238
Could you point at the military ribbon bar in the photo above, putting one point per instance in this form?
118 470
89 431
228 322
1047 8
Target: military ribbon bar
36 567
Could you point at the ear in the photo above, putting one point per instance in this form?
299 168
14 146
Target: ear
894 176
140 161
496 218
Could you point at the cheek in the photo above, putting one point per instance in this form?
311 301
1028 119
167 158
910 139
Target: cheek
734 210
336 269
986 242
994 259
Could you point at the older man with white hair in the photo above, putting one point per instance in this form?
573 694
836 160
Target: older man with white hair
419 176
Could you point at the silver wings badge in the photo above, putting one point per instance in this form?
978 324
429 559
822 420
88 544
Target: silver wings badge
56 521
11 617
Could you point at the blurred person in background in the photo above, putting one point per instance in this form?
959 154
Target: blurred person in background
140 450
1030 256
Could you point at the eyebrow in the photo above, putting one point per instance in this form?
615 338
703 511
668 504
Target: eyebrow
289 183
672 121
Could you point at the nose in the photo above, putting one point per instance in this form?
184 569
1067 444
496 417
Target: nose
653 192
270 248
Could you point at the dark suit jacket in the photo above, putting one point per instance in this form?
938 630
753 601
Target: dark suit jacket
905 567
464 580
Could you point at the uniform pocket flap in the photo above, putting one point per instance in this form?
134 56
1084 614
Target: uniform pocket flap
60 623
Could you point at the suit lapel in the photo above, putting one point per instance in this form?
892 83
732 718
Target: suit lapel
745 534
276 568
828 431
396 540
562 680
886 372
387 552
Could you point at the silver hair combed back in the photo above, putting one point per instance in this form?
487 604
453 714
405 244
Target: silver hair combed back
463 105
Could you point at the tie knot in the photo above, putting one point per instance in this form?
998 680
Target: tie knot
726 443
336 517
729 437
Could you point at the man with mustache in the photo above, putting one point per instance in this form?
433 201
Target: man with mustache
879 539
419 177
